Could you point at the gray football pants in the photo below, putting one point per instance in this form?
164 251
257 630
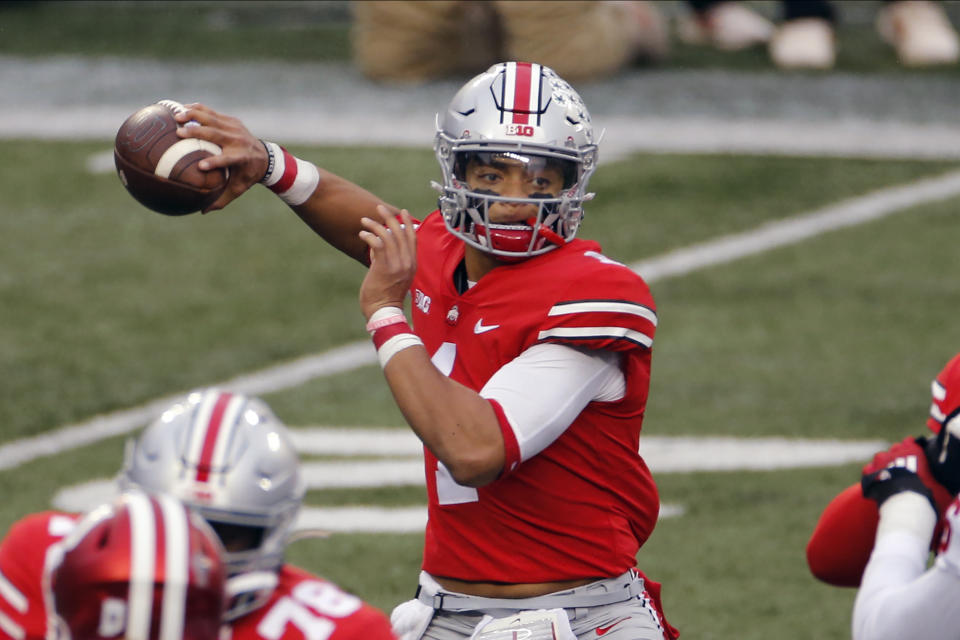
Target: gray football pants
631 619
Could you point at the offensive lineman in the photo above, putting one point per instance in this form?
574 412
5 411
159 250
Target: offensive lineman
230 459
526 373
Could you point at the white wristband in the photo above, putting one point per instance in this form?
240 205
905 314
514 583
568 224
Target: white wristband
291 178
395 345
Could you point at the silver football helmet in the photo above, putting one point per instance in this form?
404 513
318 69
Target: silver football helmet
525 112
230 459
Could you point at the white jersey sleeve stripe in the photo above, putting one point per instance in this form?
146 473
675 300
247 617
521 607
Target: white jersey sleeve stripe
604 306
597 333
12 629
12 595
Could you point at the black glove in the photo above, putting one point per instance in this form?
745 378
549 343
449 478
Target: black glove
943 454
880 485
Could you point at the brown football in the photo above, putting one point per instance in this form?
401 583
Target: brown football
159 168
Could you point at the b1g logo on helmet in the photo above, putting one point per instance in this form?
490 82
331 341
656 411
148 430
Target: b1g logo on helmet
519 130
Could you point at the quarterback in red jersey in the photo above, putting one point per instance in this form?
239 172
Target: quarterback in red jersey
841 543
230 459
526 373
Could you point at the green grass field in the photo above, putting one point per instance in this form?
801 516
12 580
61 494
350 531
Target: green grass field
107 306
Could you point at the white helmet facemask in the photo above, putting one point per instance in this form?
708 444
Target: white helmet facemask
527 113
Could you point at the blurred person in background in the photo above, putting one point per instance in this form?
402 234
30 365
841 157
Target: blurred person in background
231 460
417 41
919 30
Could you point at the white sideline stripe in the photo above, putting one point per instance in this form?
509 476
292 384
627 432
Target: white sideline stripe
663 455
851 212
366 441
275 378
341 475
873 206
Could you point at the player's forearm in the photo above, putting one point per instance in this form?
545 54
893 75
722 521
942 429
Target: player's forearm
334 211
458 426
904 603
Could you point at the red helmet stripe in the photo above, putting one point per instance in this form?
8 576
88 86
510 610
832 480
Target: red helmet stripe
204 464
521 93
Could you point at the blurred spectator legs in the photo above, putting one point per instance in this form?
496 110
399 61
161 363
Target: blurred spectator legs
919 31
582 40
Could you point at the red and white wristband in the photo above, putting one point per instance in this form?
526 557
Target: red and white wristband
390 332
291 178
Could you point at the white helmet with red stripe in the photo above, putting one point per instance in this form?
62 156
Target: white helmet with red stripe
526 112
228 457
141 568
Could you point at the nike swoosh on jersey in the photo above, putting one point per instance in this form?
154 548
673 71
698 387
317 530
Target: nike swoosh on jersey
481 328
603 630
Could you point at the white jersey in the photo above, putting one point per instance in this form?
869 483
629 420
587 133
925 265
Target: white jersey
899 596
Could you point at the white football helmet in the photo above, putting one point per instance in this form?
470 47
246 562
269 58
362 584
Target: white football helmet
526 112
229 458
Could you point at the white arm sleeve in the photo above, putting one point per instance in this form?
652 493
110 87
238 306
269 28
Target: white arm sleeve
546 387
897 597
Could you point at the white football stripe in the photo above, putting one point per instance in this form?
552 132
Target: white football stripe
938 390
597 332
143 548
178 150
176 548
12 629
12 595
593 306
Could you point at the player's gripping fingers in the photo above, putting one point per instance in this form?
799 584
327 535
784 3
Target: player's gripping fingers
243 155
891 480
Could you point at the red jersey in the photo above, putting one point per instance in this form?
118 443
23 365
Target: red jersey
583 506
23 559
303 607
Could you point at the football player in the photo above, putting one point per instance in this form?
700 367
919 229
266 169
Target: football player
843 539
140 567
899 597
527 370
230 459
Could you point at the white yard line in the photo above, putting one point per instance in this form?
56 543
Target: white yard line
854 211
398 464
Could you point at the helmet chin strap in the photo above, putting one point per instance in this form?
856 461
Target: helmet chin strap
547 234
